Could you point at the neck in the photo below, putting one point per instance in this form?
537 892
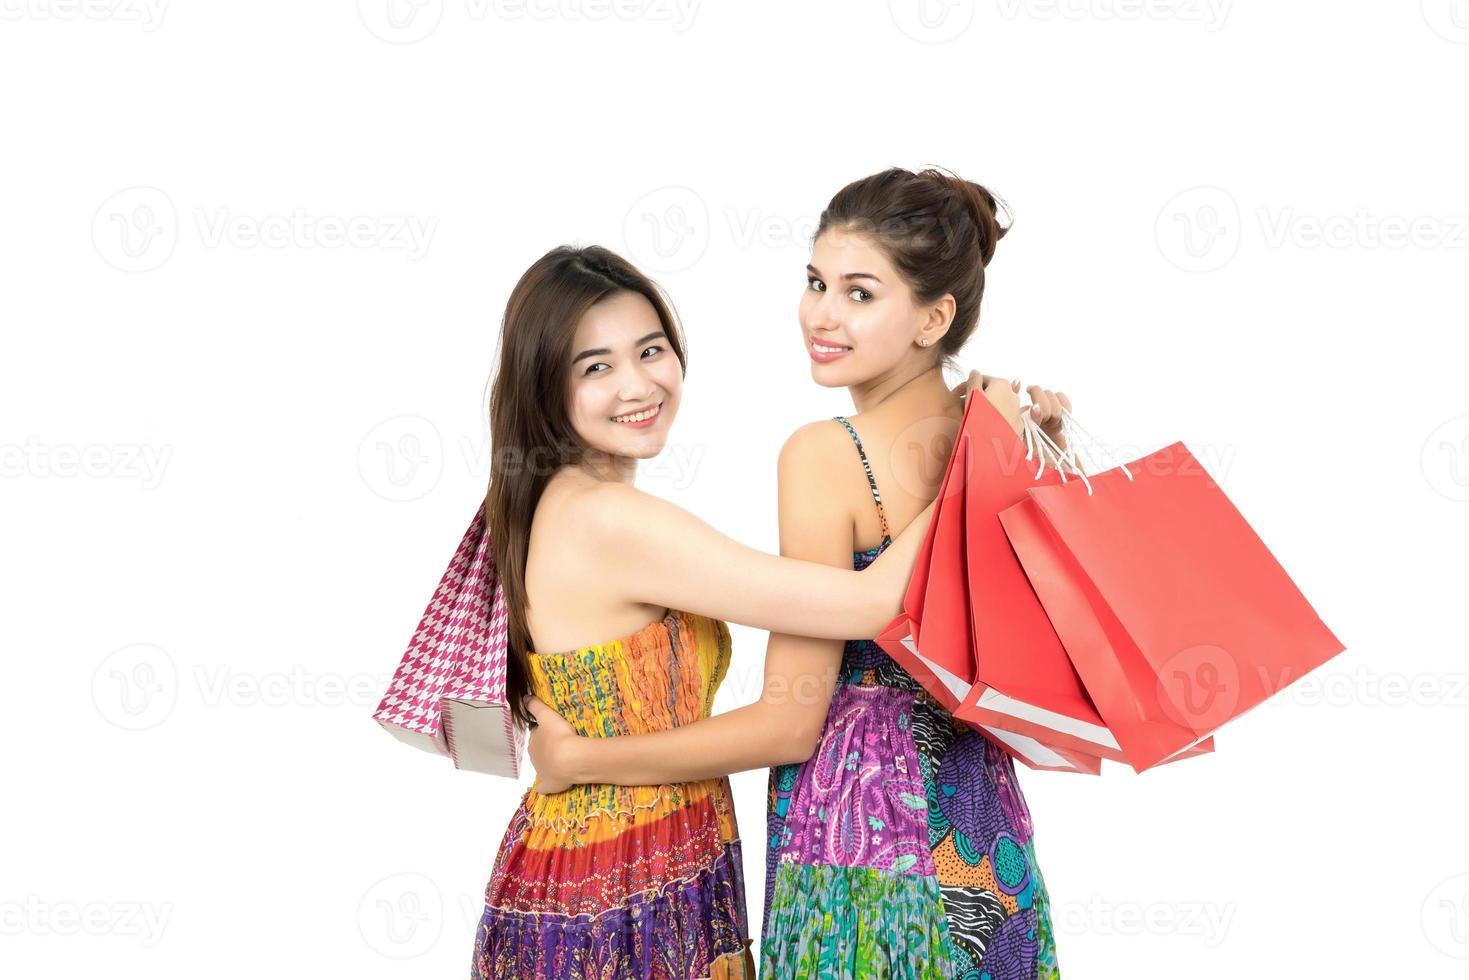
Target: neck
609 468
917 383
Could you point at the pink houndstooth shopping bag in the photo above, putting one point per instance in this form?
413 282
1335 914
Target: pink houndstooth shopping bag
448 694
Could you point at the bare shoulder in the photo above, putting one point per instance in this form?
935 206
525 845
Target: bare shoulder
811 452
605 507
620 520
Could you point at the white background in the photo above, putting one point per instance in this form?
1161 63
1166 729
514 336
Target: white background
238 450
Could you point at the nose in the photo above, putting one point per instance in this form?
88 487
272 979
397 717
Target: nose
817 314
637 387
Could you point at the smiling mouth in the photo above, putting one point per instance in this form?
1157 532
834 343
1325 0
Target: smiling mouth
825 349
637 418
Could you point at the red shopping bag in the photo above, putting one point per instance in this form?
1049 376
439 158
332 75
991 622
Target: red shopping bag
931 637
1024 682
1008 679
1174 613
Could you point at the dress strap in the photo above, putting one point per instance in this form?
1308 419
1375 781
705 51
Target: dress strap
882 518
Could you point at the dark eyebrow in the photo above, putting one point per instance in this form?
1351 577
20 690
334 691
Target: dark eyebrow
602 351
850 275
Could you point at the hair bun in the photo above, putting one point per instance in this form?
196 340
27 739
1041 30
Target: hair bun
983 207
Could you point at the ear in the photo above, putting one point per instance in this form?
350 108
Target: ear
937 320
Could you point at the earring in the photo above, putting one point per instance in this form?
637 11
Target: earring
923 342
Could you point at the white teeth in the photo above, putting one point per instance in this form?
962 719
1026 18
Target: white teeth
818 348
639 417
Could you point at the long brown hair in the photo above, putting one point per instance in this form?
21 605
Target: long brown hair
531 435
937 229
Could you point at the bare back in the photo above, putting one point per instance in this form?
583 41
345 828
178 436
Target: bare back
908 442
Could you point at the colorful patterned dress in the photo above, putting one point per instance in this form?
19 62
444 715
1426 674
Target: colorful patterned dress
903 847
623 882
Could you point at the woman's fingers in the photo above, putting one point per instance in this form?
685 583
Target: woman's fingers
1037 402
1047 404
533 707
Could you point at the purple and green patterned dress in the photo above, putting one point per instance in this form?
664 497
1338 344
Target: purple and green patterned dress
903 847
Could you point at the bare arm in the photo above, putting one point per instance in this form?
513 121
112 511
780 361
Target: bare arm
672 558
800 672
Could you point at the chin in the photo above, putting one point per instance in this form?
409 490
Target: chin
832 376
636 448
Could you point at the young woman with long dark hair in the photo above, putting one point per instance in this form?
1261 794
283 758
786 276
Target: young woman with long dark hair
605 882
